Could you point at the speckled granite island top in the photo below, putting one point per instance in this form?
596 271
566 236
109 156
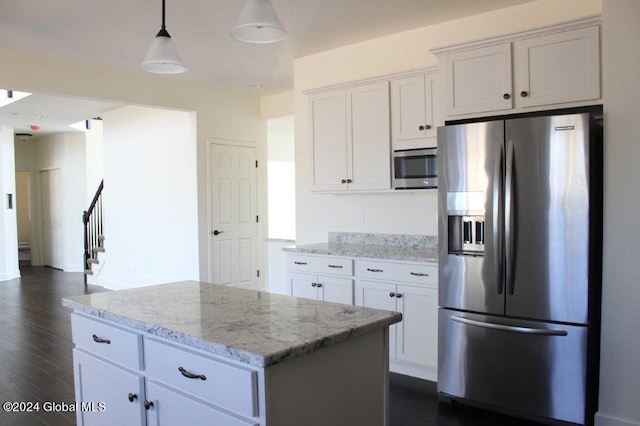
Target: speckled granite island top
254 327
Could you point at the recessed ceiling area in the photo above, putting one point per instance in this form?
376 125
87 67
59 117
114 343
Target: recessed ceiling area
53 114
116 34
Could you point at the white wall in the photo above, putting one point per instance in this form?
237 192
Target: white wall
8 217
406 213
220 114
95 158
150 197
65 151
620 353
22 206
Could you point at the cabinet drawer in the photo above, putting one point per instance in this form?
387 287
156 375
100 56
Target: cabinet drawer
301 263
388 271
228 386
334 265
115 344
320 265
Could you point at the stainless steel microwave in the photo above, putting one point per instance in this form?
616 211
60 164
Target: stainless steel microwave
415 168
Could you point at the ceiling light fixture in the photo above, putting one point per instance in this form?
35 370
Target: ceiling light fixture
258 23
163 57
24 136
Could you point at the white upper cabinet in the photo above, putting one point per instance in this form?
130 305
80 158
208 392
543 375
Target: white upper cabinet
479 80
558 68
554 67
350 133
415 111
329 138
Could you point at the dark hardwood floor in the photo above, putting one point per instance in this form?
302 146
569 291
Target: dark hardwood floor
36 359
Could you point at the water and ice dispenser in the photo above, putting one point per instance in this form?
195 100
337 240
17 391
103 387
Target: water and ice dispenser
466 224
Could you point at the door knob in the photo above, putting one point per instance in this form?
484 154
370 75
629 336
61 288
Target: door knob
132 396
216 232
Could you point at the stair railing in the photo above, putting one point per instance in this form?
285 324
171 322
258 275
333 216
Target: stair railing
93 229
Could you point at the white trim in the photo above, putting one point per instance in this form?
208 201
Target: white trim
520 35
110 285
607 420
413 370
372 80
73 267
7 276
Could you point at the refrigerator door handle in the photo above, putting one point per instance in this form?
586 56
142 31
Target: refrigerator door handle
497 228
509 222
510 328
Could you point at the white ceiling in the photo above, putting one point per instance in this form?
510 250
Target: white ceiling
54 114
116 34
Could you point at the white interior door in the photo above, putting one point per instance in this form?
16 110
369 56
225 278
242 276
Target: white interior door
234 220
51 195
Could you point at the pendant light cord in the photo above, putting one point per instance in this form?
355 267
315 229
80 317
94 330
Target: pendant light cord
163 27
163 30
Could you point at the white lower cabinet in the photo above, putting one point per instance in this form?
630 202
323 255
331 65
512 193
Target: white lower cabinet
415 338
319 287
176 385
410 288
173 408
113 395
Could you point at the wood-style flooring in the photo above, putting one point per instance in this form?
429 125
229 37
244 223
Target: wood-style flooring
36 359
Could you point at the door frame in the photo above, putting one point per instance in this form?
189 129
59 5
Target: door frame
40 227
261 197
35 218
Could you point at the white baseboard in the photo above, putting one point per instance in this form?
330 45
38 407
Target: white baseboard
413 370
607 420
10 275
73 267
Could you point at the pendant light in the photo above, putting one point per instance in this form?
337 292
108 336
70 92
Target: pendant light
258 23
163 57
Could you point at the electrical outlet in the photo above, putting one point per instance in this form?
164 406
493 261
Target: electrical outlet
360 219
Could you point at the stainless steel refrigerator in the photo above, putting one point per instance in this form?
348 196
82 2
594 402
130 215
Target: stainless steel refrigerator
520 230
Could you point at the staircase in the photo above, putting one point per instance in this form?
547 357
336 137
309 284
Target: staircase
93 233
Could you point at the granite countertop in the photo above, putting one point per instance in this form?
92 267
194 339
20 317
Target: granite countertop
254 327
427 253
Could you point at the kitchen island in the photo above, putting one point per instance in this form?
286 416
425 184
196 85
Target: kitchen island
199 353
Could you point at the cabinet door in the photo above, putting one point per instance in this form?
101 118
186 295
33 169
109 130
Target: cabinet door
417 335
172 408
558 68
97 381
328 123
369 137
479 80
303 285
408 110
337 290
431 114
378 295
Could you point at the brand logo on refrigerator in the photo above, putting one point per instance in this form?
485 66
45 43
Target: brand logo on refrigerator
565 128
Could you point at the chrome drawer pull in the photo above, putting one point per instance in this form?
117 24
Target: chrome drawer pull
335 266
300 263
419 274
190 375
375 270
99 340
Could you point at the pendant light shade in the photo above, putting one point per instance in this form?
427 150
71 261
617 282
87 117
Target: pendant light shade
258 23
163 57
